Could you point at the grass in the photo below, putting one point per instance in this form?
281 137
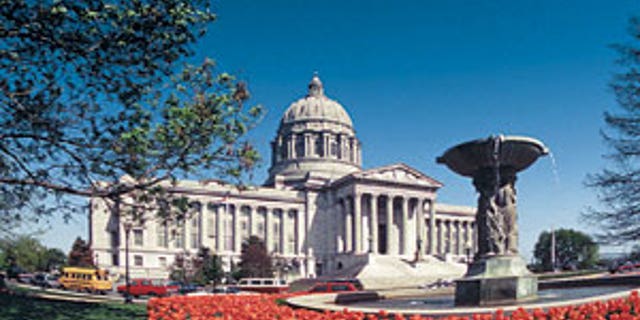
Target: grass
19 306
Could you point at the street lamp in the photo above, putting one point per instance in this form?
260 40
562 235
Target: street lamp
127 229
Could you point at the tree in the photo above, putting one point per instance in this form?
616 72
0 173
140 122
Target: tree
573 249
23 252
210 268
29 254
53 258
617 185
95 90
255 261
81 254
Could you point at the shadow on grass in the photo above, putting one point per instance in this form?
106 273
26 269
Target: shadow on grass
14 307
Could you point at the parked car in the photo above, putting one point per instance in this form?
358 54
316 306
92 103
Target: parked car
184 288
225 290
45 280
355 282
327 287
264 285
25 278
148 287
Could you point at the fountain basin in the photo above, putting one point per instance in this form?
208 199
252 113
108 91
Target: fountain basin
514 151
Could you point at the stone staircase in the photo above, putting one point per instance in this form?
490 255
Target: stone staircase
385 272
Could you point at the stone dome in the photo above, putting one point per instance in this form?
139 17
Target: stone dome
315 140
316 106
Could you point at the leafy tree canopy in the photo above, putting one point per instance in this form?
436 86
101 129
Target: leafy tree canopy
81 254
95 90
255 261
29 254
619 183
573 249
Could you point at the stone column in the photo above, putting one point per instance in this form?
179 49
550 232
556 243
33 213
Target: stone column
348 226
374 223
441 234
460 239
450 236
291 147
300 231
405 226
389 223
340 222
253 221
357 212
307 144
432 228
235 212
268 232
418 213
221 213
284 239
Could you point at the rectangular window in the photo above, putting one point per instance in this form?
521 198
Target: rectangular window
194 240
161 238
115 261
137 237
291 243
211 226
179 238
137 261
162 261
194 221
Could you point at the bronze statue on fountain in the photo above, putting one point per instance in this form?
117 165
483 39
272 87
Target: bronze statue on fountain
498 274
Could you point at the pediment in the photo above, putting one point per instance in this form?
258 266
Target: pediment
398 173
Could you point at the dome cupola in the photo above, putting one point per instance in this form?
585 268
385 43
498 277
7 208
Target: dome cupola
315 139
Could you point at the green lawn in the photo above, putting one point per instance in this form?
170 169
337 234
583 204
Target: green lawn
26 307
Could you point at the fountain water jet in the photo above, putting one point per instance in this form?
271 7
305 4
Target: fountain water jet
498 274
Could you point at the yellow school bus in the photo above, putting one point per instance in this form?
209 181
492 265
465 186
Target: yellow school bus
85 279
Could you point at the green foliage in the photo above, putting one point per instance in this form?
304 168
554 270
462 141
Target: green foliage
81 254
255 261
617 185
212 270
29 254
94 91
202 268
574 249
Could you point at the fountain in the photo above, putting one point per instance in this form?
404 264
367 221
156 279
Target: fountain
498 277
498 274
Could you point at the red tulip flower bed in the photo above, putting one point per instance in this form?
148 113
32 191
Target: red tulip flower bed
240 307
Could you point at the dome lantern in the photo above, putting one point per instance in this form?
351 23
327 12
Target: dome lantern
315 86
315 138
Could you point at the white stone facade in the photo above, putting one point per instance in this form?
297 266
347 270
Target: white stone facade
318 212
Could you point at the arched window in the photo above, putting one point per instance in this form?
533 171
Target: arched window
334 148
300 146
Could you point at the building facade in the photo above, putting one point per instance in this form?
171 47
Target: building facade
319 212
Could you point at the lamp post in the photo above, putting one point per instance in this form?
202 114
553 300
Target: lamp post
127 229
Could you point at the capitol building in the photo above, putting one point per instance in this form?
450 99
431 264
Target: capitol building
319 212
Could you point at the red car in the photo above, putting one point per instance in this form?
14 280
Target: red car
148 287
328 287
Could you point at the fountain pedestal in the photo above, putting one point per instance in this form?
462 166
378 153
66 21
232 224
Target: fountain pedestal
496 280
498 275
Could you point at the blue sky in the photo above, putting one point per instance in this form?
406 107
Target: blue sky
418 77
